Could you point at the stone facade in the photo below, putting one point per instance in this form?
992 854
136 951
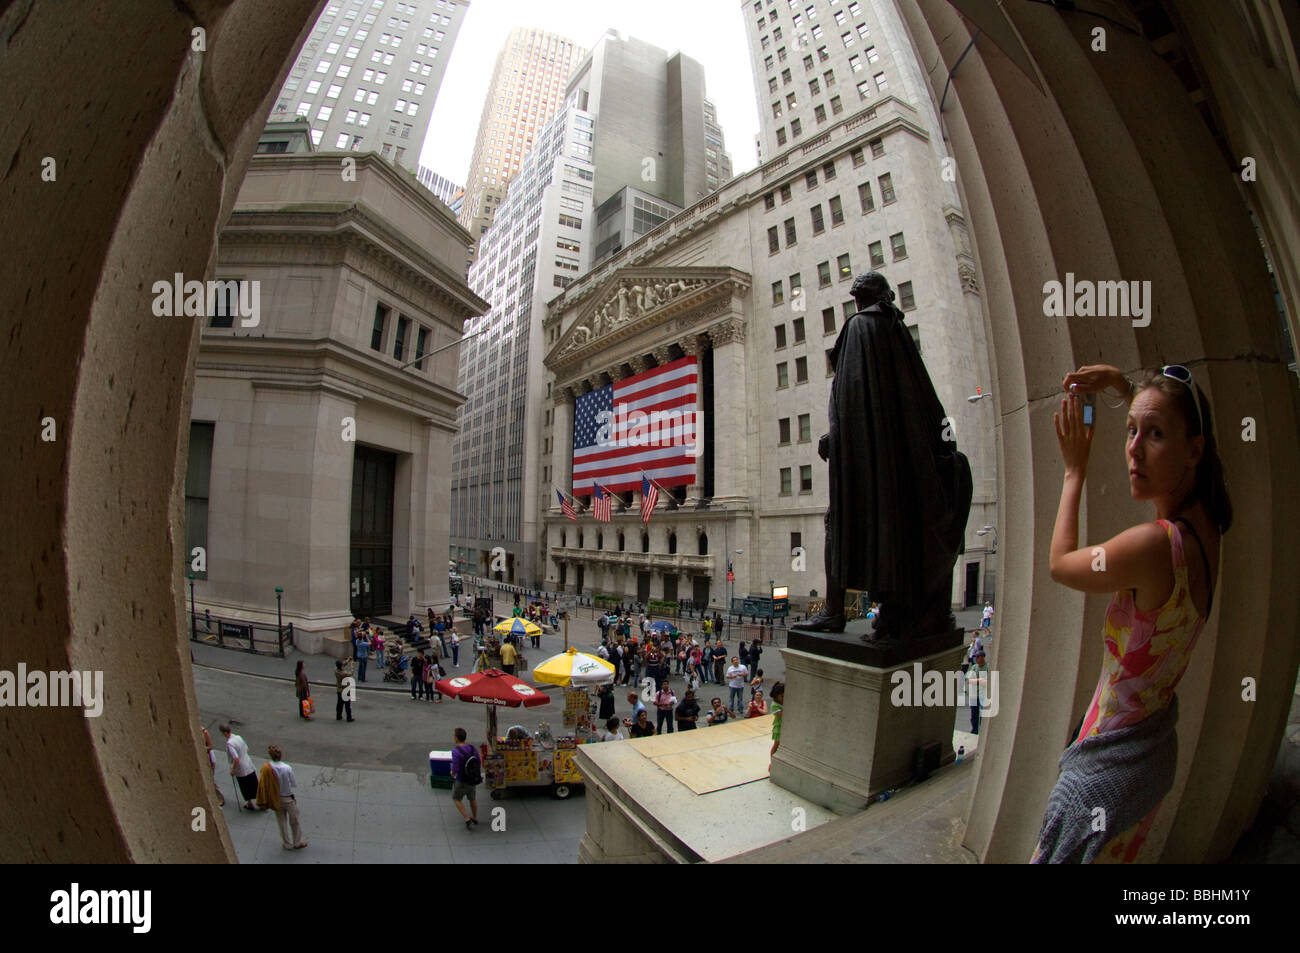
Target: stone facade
725 267
291 398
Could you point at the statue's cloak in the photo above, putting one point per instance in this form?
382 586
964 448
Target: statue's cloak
900 492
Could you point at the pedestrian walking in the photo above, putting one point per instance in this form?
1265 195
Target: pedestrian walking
467 774
986 617
279 792
508 655
212 765
363 656
455 649
303 691
345 686
241 766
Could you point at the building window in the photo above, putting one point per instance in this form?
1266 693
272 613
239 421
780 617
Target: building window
776 110
769 201
858 157
421 342
780 336
824 274
778 293
342 142
796 289
855 65
399 344
837 106
814 87
781 137
900 246
877 148
913 330
864 197
882 84
808 62
790 237
796 541
785 194
818 223
872 55
805 428
785 481
877 251
828 314
773 240
796 127
198 474
797 325
906 299
782 375
786 80
771 84
864 89
810 180
837 211
846 269
801 370
849 308
819 113
886 189
783 426
829 78
377 332
847 39
805 479
830 364
828 171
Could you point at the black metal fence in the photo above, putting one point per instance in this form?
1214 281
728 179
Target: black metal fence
240 634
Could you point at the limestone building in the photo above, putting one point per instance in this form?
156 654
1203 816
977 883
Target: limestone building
319 451
368 75
585 182
855 182
526 90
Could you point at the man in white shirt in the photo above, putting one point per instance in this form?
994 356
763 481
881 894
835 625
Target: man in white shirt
737 676
241 766
287 813
986 618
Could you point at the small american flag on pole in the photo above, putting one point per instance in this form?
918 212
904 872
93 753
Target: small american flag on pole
601 505
566 507
649 497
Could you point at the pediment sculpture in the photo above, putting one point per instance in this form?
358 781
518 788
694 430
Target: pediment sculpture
630 301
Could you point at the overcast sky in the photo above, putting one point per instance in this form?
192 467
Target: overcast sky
710 31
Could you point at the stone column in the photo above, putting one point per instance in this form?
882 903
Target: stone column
562 444
730 413
692 346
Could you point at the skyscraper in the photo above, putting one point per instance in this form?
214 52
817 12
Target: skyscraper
526 90
636 140
368 75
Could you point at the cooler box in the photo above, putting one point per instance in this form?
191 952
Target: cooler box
440 769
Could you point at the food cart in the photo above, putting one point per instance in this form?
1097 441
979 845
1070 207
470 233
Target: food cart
520 758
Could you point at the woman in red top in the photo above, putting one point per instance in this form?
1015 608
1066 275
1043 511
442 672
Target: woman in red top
757 706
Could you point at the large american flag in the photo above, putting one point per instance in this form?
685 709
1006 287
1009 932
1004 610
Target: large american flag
649 497
566 507
601 507
665 443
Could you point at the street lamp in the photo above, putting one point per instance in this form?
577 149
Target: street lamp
279 619
193 612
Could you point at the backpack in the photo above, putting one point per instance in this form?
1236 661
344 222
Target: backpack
471 770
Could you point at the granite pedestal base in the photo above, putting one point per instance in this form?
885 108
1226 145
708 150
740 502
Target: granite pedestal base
849 730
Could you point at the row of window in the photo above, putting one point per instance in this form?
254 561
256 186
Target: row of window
401 338
805 480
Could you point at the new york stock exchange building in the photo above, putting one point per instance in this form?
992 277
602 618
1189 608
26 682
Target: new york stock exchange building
703 351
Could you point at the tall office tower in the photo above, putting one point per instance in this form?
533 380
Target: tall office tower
439 185
826 67
636 140
368 75
527 89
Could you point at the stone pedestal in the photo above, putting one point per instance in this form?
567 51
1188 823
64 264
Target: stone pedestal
850 730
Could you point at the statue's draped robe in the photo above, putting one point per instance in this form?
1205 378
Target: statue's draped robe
899 492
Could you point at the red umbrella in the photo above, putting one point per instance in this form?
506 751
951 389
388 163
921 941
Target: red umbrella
492 687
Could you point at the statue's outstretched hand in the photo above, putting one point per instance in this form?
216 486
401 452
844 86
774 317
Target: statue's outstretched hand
824 447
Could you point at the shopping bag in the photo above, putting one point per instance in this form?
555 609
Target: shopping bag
308 707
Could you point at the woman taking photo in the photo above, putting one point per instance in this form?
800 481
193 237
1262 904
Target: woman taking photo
1161 575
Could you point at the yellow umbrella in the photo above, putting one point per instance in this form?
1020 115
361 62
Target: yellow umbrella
517 627
574 668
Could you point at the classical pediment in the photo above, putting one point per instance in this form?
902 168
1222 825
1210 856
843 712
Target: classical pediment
634 299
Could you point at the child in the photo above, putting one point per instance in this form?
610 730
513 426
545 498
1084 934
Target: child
778 703
755 683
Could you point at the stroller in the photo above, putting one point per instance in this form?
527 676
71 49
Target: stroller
397 666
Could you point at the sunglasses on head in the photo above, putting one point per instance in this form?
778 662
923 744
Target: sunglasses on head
1176 372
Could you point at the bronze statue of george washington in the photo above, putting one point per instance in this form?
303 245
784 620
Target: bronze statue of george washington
900 492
